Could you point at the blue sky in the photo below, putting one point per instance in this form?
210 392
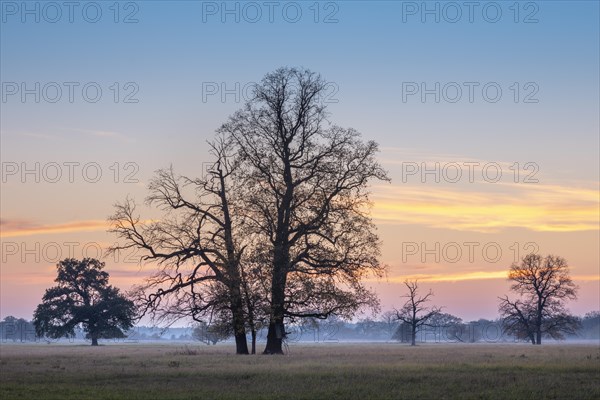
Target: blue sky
368 55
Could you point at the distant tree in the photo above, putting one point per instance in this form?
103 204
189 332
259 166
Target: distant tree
402 333
389 323
318 329
543 285
366 327
483 329
590 325
415 313
211 334
17 329
444 319
83 296
330 328
447 327
8 327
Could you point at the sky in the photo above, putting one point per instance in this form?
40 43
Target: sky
486 114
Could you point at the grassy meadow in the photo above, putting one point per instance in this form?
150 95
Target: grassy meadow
317 371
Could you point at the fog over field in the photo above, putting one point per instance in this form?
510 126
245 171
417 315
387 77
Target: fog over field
374 371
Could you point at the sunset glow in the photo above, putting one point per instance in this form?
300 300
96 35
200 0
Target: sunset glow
476 182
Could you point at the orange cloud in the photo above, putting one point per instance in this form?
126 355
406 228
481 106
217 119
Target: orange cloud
14 228
469 276
534 206
463 276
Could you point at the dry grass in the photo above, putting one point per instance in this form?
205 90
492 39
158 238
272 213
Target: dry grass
327 371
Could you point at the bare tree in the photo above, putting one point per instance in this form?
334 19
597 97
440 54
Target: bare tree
544 285
306 197
194 245
415 313
288 188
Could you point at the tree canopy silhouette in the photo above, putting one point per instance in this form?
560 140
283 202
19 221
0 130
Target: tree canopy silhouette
83 296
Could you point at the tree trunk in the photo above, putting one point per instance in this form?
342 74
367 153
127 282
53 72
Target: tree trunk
94 339
275 337
239 324
241 345
276 331
234 286
253 341
250 317
413 336
538 324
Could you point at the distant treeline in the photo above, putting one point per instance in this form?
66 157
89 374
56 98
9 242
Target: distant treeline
443 328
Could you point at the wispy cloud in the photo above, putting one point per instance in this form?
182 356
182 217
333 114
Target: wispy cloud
15 228
460 276
536 207
107 134
44 136
67 132
469 276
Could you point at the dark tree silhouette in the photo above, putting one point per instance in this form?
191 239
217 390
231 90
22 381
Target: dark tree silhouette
544 285
415 313
281 220
197 245
306 197
83 296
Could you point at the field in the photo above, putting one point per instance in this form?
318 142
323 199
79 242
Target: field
322 371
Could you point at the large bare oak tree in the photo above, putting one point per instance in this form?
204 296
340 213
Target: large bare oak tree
280 230
307 198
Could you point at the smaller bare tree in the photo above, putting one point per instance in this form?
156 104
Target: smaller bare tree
415 313
197 245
